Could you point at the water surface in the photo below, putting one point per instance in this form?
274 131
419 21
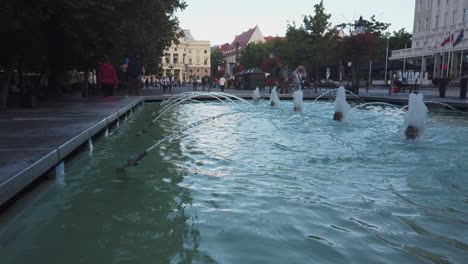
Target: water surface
257 185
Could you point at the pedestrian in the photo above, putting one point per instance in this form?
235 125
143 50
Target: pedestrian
135 71
222 82
194 83
298 77
107 77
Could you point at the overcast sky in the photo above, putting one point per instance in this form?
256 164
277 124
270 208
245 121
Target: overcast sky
220 20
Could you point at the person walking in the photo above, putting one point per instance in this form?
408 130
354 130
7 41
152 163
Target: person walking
222 82
107 77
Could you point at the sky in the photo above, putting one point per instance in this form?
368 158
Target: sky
219 21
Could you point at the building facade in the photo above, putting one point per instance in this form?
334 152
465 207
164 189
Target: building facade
231 52
188 58
438 44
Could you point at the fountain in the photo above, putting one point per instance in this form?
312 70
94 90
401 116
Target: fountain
211 177
415 117
341 106
274 99
256 95
298 101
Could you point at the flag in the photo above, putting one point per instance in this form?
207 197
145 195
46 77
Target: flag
459 38
447 40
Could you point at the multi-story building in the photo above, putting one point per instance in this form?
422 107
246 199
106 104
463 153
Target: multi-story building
232 52
188 58
438 46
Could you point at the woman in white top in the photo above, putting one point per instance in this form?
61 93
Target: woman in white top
298 76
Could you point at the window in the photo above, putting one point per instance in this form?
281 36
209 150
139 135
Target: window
420 6
427 4
437 21
446 22
168 58
205 51
454 17
464 15
427 24
205 62
418 27
190 61
175 49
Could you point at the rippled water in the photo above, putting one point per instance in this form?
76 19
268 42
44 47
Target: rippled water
257 185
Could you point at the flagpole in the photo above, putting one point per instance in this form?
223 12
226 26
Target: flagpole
404 61
461 62
450 69
442 65
435 56
424 47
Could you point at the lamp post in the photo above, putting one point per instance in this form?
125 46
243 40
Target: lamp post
386 63
349 73
270 77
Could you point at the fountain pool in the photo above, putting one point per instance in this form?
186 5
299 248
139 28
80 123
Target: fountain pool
256 184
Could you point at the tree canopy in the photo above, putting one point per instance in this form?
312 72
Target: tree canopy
75 34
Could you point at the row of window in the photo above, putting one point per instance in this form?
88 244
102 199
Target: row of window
190 51
438 23
175 60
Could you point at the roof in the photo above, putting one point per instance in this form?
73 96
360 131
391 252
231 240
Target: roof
224 47
271 38
243 39
188 35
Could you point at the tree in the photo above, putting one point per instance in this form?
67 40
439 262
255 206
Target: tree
362 47
253 55
313 44
358 49
73 35
400 39
216 60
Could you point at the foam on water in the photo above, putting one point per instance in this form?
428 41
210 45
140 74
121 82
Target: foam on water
274 99
298 101
340 102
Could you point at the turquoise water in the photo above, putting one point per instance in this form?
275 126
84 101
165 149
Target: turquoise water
257 185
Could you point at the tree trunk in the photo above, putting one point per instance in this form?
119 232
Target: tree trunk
85 84
355 84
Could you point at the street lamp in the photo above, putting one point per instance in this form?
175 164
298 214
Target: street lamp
237 51
349 73
386 63
360 26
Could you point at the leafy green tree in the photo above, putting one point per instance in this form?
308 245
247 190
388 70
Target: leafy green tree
216 60
363 47
253 55
73 35
400 39
313 44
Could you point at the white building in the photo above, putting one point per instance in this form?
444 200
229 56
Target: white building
434 22
188 58
232 52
